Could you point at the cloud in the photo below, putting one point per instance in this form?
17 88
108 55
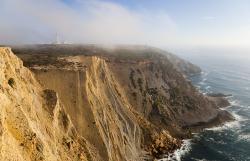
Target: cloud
208 18
83 21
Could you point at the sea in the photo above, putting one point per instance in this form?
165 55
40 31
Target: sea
228 72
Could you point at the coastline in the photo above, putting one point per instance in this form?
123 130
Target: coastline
221 102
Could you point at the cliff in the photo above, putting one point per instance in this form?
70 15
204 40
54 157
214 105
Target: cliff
34 125
123 103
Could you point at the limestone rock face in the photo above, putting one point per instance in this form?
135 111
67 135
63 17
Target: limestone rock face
33 123
88 103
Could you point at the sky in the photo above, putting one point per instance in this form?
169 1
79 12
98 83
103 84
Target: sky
161 23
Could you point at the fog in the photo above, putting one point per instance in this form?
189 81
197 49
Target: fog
111 22
87 21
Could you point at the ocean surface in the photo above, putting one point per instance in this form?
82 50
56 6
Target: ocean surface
228 73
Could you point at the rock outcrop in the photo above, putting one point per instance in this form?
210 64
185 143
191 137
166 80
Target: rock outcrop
92 103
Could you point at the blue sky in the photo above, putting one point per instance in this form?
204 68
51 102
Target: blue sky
211 19
155 22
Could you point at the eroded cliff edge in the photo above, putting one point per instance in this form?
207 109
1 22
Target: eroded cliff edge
33 122
126 103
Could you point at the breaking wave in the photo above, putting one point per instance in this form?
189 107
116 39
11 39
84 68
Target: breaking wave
179 153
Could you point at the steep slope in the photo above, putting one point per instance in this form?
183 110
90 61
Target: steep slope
33 123
129 103
100 109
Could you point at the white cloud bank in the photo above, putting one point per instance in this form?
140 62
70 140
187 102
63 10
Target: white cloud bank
209 18
102 22
88 21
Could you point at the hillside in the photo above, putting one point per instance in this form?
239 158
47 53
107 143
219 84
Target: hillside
120 103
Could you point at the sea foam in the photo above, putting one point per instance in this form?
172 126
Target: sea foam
244 137
179 153
233 125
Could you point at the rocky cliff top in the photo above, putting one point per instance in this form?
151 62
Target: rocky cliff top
123 53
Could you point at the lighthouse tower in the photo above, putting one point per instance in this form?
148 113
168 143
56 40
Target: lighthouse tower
57 39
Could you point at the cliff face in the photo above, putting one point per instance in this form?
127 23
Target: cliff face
90 95
34 125
135 105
